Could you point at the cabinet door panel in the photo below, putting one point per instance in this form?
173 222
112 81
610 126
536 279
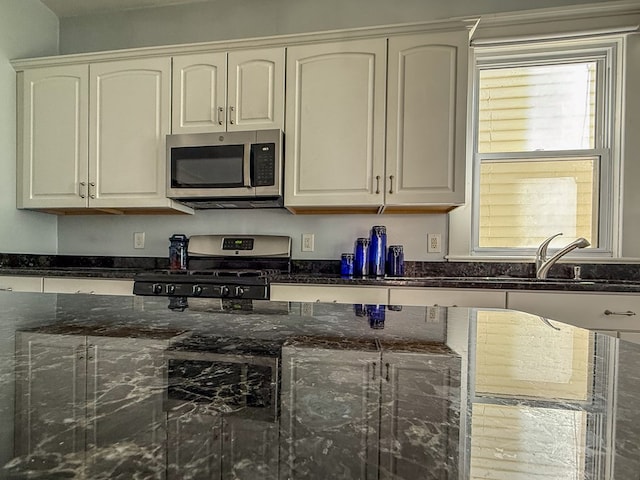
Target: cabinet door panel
330 413
455 297
50 423
88 286
54 108
426 118
586 310
130 118
422 387
198 98
20 284
329 294
256 89
125 388
335 123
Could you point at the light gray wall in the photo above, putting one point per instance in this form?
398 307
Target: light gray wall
334 234
27 29
234 19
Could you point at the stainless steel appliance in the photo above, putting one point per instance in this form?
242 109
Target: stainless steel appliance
222 266
226 170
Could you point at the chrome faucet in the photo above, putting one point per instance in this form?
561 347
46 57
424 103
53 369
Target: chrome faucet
544 264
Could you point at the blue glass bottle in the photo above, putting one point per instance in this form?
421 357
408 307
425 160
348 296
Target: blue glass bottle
395 261
346 265
361 258
377 251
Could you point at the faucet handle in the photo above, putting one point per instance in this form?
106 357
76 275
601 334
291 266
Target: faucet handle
541 254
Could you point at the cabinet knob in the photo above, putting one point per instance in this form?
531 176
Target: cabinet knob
377 184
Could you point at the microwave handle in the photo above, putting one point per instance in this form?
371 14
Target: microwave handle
246 165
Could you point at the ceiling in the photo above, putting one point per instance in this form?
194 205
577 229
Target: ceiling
73 8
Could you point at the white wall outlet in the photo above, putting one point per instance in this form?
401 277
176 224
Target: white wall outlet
434 243
307 242
138 240
306 309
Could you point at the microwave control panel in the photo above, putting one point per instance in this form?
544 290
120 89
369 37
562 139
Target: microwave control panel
263 164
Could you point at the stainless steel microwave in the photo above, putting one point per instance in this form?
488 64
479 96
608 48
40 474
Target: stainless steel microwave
226 170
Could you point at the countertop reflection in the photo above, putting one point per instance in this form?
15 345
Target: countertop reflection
123 387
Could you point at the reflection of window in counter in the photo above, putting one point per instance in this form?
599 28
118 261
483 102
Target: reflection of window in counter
538 396
517 354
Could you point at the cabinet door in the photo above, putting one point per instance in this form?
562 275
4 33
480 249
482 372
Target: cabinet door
600 311
335 101
329 294
420 387
130 105
194 445
249 449
91 286
256 89
330 413
53 150
125 391
50 397
426 119
20 284
448 297
199 93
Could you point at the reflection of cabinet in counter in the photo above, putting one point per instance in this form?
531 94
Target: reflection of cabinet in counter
80 396
212 446
363 413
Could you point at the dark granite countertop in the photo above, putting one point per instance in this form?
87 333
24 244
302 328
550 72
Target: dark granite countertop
122 387
484 275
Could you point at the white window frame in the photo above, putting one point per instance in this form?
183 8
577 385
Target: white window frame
607 51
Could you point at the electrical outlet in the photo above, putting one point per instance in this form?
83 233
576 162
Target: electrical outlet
433 314
306 309
434 243
307 242
138 240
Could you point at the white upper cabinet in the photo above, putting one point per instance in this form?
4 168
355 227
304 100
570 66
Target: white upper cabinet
426 119
130 105
52 130
334 142
92 136
218 92
335 145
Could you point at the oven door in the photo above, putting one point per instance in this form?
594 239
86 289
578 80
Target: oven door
241 386
208 165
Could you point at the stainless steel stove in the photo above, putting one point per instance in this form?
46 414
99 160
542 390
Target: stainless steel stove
222 266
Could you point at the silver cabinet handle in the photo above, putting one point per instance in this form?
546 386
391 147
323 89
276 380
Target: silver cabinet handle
377 184
82 190
90 292
390 183
6 289
628 313
220 115
373 373
231 115
92 185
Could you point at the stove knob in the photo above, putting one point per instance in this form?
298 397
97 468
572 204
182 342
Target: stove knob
221 291
171 289
156 289
239 291
197 290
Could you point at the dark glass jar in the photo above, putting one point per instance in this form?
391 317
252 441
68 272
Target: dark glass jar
178 252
